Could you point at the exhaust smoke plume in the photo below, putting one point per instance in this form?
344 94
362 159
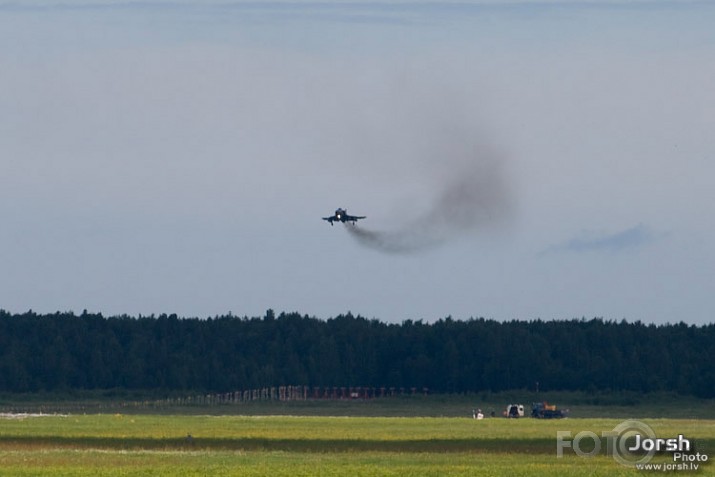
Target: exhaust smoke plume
472 198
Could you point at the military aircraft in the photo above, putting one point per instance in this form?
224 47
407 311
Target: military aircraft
341 215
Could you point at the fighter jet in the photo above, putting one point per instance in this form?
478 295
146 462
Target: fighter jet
341 215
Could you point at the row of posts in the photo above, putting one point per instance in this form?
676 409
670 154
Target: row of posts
296 393
275 393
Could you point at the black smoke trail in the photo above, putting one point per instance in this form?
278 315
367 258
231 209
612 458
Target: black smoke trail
475 197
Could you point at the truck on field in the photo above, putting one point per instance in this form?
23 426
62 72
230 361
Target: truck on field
544 410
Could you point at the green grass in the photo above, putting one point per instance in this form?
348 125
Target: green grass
615 404
91 463
157 445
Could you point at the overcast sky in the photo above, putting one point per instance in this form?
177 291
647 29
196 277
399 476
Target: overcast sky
549 160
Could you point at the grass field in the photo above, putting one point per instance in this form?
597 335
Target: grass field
612 404
158 445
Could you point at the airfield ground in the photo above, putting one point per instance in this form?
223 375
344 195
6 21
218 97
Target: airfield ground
209 442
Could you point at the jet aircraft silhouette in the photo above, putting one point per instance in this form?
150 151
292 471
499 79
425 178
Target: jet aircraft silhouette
341 215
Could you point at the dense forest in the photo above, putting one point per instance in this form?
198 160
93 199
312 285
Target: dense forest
65 351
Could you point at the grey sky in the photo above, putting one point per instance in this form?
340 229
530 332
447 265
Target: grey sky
177 157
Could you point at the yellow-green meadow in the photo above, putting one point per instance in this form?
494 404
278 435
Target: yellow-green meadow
188 445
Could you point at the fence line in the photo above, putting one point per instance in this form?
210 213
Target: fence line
264 394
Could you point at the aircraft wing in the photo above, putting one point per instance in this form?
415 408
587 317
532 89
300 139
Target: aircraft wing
354 218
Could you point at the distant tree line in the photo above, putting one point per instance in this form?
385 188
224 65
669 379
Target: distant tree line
64 351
